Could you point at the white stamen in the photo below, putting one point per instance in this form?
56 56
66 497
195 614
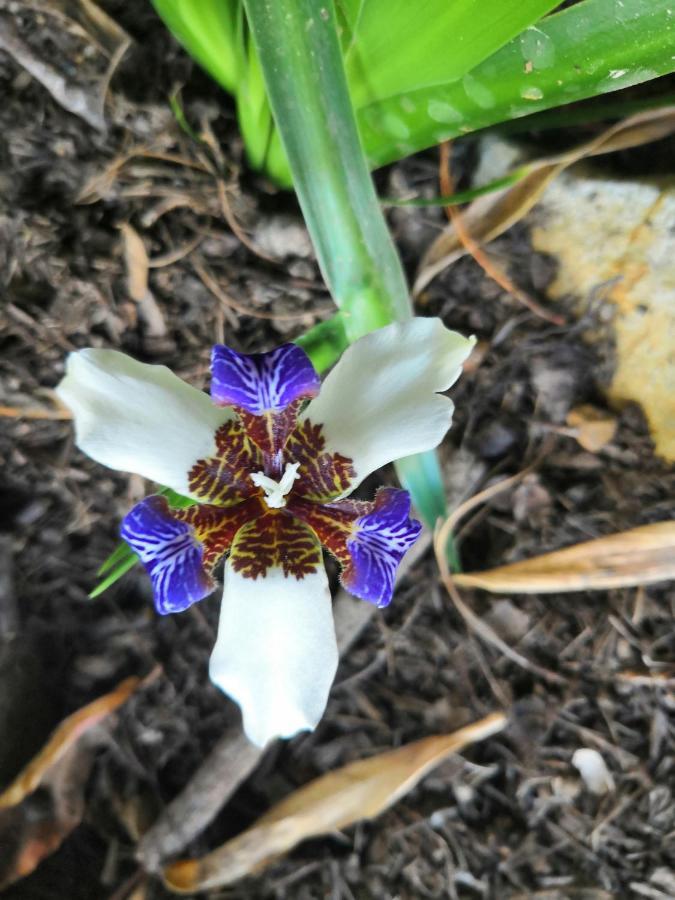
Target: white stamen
275 491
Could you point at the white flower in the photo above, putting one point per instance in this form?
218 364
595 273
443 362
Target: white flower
269 472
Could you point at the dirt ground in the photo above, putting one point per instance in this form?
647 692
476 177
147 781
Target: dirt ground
508 819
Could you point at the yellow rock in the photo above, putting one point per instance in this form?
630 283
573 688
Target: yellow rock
615 243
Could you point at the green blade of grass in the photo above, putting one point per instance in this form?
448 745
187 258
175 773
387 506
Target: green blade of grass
462 196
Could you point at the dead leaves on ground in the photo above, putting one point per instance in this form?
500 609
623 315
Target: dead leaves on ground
45 802
491 215
640 556
592 428
85 22
360 790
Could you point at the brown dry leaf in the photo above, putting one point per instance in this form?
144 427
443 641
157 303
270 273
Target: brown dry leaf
492 214
593 428
33 825
136 262
360 790
640 556
138 267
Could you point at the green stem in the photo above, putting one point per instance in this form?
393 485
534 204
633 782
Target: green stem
302 66
303 70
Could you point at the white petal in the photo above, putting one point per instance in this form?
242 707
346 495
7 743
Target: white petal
276 653
139 418
380 403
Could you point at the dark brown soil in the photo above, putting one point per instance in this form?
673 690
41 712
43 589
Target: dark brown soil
509 819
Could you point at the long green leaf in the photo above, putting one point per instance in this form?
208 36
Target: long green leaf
298 45
594 47
211 32
302 65
397 46
424 72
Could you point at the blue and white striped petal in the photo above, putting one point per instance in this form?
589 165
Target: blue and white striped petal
172 556
262 382
380 540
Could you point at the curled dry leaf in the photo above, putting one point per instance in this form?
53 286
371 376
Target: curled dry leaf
33 824
138 266
136 262
491 215
640 556
360 790
593 428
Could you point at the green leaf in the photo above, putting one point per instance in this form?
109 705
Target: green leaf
211 32
314 115
594 47
398 46
315 118
126 561
119 554
420 73
462 196
325 342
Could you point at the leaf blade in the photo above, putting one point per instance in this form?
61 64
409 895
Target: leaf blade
643 555
334 801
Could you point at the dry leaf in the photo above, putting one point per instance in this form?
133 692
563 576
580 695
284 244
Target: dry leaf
138 266
593 428
492 214
33 825
640 556
136 262
360 790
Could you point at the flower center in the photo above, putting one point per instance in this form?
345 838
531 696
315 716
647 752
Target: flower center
275 491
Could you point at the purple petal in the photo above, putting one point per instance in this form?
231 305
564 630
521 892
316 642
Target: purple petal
381 539
170 553
262 382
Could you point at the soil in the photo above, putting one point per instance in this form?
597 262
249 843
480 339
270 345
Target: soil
508 819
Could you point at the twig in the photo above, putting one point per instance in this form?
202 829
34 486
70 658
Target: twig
15 412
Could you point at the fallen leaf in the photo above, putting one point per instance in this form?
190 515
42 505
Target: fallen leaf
360 790
136 261
593 428
138 267
642 555
33 822
492 214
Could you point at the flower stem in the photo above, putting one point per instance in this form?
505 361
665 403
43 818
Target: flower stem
302 66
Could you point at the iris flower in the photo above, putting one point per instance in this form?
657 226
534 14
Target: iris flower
270 457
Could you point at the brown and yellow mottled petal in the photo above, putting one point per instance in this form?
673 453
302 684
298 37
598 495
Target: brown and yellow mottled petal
333 523
323 475
368 539
215 527
270 430
275 541
224 478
